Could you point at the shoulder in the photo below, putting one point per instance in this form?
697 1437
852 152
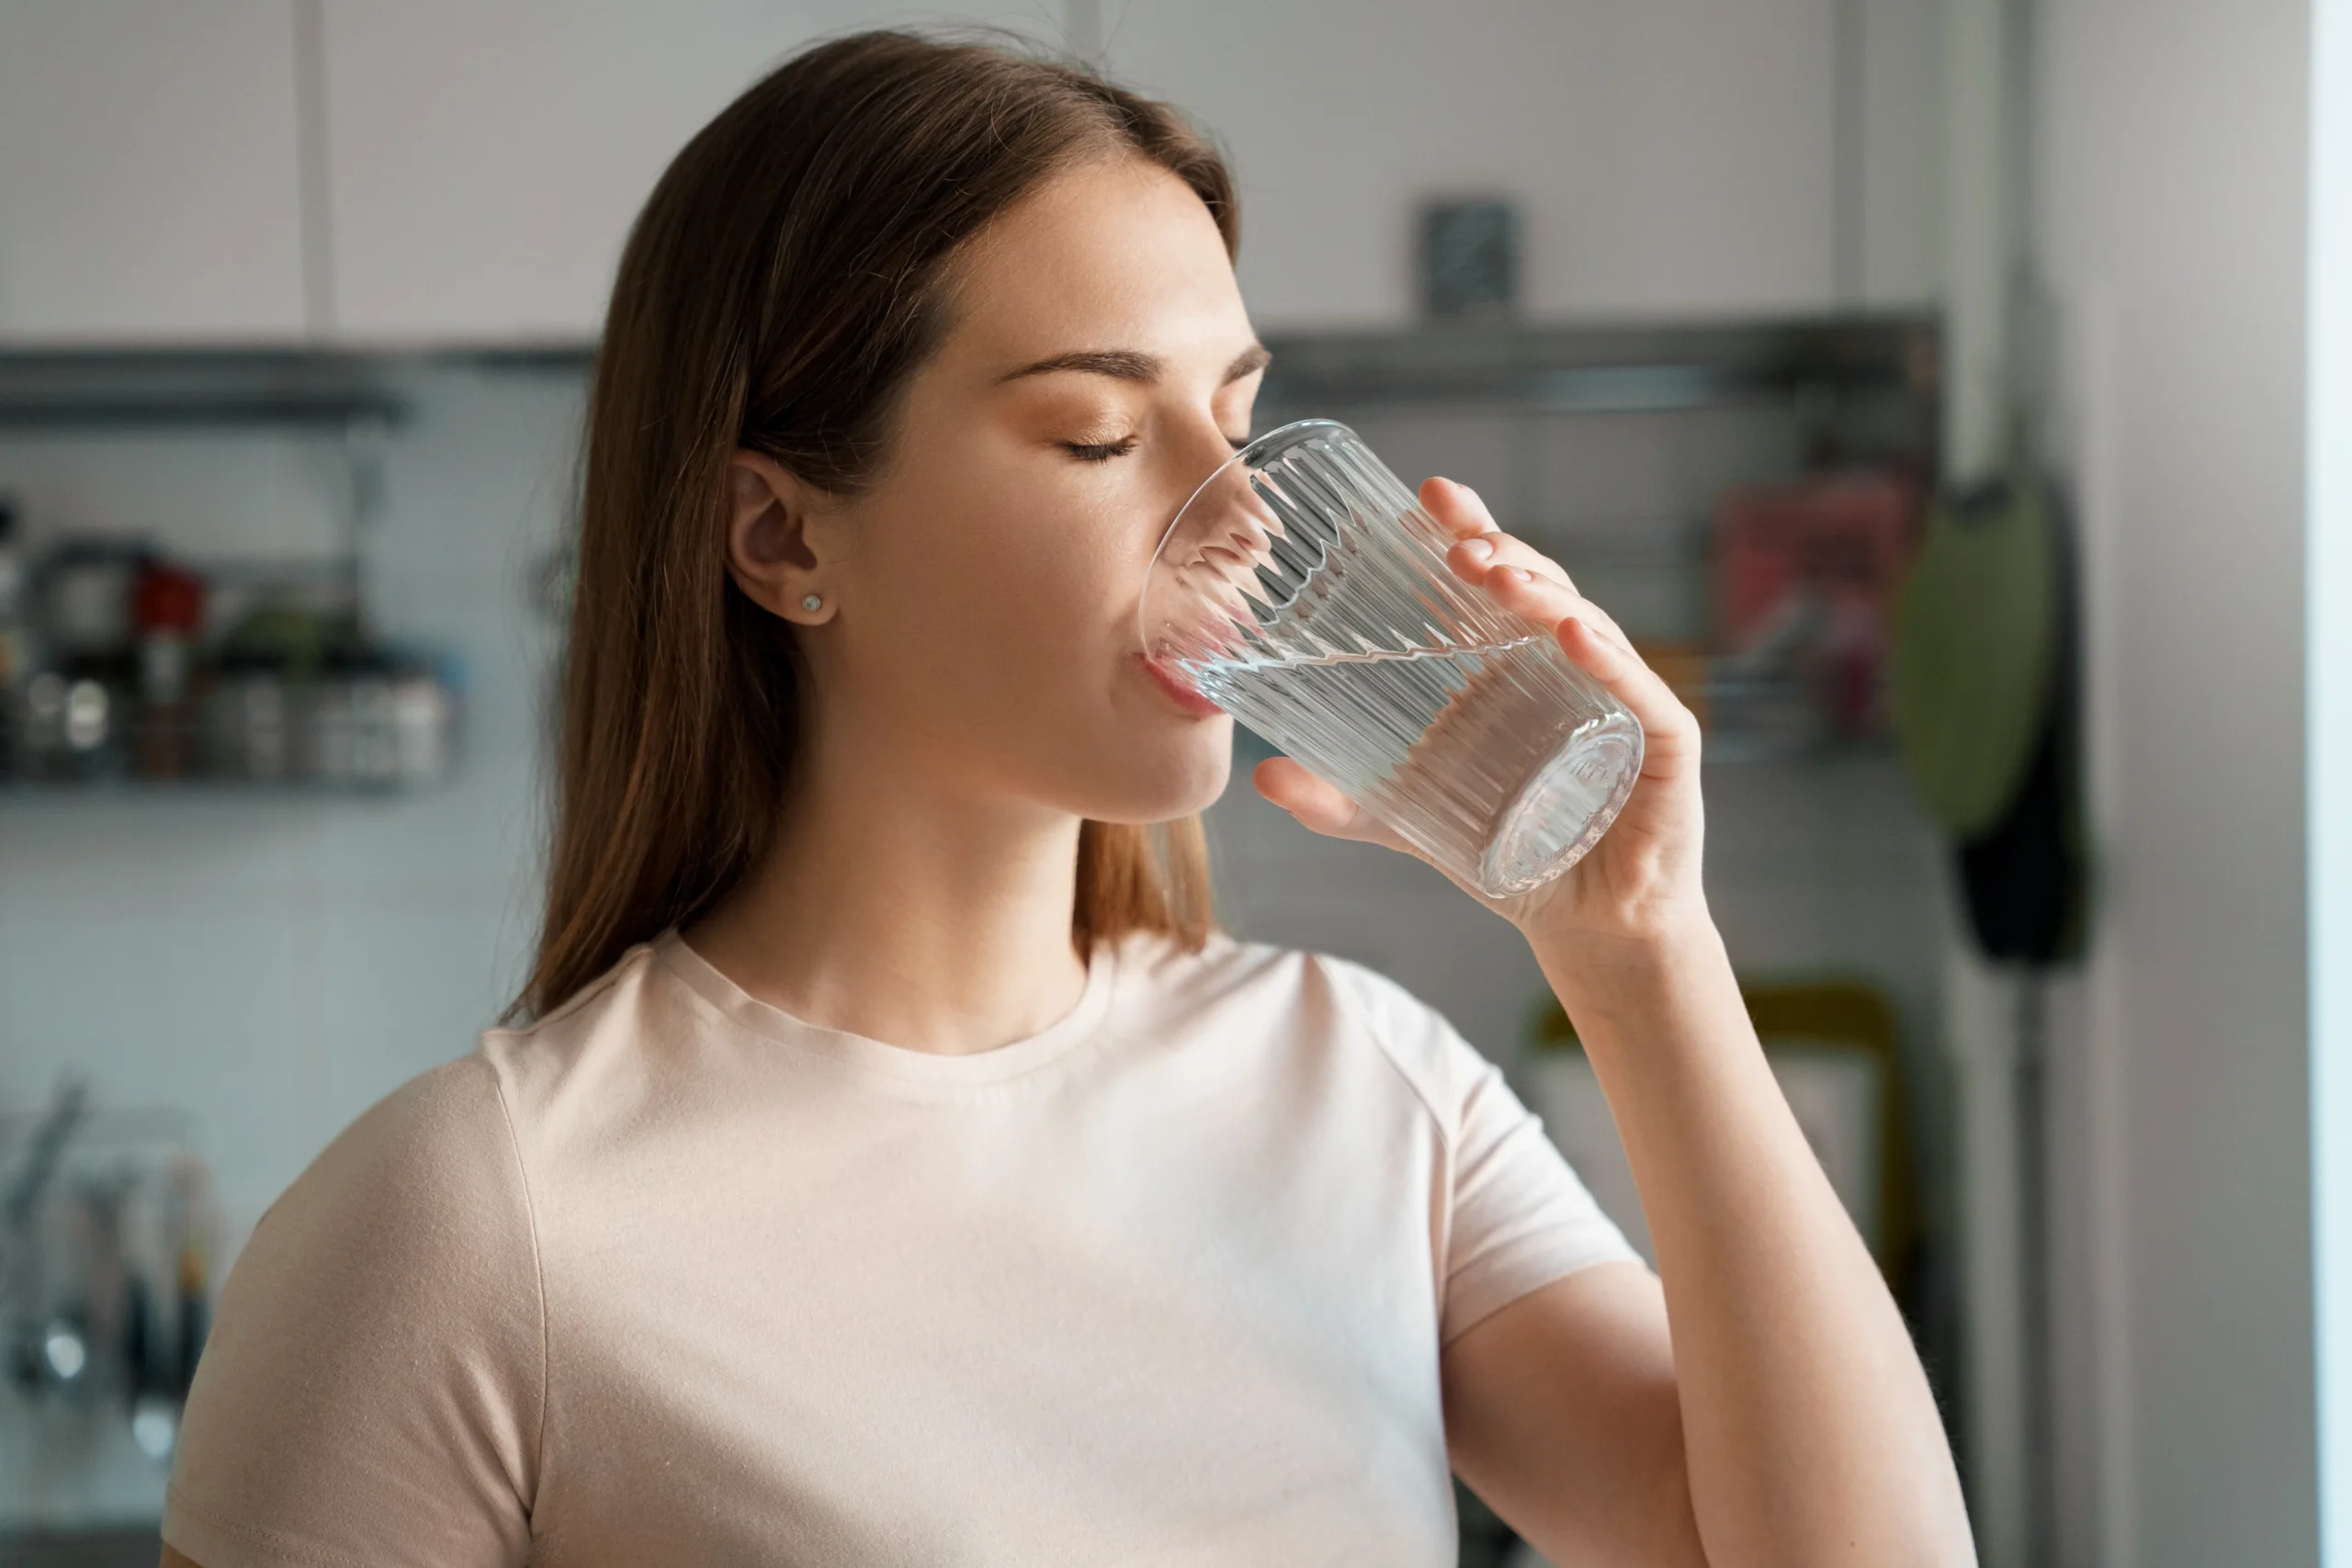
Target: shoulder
409 1240
376 1365
1308 995
430 1170
1226 964
603 1047
430 1189
418 1212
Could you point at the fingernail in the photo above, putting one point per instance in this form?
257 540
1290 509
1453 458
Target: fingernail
1479 550
1518 574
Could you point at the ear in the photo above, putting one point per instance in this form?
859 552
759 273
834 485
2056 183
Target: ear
771 551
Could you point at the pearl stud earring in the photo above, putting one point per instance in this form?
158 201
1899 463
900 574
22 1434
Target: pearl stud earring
812 602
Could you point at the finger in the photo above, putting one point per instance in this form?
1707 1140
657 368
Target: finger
1607 658
1482 544
1548 602
1669 729
1318 804
1540 600
1475 558
1457 508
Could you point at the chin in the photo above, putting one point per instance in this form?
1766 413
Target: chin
1161 783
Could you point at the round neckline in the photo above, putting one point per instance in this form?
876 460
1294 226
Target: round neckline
876 1058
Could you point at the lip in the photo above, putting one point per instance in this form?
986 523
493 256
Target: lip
1178 690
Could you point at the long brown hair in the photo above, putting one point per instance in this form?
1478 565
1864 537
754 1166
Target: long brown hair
783 282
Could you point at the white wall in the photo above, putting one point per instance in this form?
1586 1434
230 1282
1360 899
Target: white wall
275 963
2171 165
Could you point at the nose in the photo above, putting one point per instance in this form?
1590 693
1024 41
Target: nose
1202 445
1195 449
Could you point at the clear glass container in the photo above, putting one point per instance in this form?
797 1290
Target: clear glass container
1303 589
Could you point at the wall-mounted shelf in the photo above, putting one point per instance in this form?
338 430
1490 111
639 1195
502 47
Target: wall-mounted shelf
1603 368
1561 368
21 792
195 388
214 388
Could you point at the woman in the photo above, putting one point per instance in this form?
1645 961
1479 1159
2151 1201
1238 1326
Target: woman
892 1165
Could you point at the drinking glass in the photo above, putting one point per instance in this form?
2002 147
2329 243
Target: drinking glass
1305 591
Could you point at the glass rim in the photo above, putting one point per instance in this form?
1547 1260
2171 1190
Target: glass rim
1251 453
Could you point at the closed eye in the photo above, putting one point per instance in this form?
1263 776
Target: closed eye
1103 451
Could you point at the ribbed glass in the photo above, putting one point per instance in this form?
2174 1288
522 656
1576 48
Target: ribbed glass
1303 589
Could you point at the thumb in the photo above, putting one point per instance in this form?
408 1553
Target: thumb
1318 804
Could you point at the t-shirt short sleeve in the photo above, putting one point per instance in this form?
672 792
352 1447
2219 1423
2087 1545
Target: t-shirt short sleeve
372 1389
1519 1217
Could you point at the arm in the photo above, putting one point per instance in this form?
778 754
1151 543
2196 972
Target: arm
1561 1412
371 1386
1809 1434
1788 1420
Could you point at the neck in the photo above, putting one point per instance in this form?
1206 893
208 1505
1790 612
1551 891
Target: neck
909 914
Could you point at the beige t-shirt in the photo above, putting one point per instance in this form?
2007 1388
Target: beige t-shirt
674 1277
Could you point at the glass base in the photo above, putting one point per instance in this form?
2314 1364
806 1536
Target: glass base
1563 808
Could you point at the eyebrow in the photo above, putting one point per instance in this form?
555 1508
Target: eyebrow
1132 364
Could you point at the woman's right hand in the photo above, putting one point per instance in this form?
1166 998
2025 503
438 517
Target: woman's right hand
1640 884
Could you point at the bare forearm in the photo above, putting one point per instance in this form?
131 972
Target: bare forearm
1810 1433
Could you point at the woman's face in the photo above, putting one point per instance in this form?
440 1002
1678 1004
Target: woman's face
981 596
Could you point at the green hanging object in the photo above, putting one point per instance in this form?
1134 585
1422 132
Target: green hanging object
1975 646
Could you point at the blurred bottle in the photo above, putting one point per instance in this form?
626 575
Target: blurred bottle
76 706
345 733
379 718
195 1228
248 725
424 716
166 615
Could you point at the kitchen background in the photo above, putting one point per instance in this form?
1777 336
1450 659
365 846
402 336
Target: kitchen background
295 302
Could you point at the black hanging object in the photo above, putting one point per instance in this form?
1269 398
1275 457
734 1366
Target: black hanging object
2026 877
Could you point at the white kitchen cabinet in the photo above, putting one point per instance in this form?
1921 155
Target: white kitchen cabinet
1673 157
149 189
474 165
486 159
